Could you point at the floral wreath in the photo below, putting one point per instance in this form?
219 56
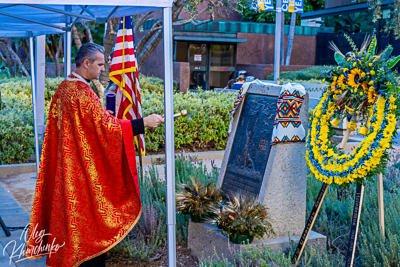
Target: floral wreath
362 89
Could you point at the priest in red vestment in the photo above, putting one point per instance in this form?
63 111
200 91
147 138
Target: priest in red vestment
87 195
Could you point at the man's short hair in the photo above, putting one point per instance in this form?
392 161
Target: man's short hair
87 51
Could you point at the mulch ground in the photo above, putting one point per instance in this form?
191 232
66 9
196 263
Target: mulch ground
183 258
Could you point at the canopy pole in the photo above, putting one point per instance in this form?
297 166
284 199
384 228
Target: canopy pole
67 44
169 135
40 65
33 87
278 26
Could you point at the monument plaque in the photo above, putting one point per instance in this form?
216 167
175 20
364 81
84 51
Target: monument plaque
275 174
251 146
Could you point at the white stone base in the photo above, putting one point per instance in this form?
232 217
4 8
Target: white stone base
204 242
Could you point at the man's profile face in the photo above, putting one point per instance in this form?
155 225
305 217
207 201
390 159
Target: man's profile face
95 69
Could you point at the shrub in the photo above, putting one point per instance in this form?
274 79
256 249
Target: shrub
151 84
205 128
16 118
313 73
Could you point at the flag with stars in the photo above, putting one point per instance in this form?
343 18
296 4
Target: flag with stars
124 73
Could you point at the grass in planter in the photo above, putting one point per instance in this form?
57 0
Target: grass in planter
198 199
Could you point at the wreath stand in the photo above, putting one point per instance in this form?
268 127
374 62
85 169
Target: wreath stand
355 221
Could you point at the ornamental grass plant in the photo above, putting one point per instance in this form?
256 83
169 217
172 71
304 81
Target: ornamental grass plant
198 198
244 216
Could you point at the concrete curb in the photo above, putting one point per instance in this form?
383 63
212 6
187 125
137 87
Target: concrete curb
15 169
208 155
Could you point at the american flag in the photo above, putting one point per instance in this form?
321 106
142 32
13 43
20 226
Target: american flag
125 75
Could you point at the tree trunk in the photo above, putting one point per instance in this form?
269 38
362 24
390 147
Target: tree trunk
28 59
150 48
108 46
88 32
8 57
291 37
57 56
77 39
15 57
2 56
283 39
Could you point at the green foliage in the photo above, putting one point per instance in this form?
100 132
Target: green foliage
151 84
16 118
350 23
267 257
333 221
205 128
313 73
150 234
269 16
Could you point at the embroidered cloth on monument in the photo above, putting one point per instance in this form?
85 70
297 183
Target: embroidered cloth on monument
287 125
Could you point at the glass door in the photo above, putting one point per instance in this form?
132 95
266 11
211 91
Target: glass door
198 65
222 64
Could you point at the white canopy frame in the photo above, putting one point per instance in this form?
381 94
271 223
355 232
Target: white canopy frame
51 19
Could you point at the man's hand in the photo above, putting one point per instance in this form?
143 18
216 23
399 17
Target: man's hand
153 121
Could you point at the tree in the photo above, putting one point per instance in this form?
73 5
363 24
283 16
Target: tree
393 22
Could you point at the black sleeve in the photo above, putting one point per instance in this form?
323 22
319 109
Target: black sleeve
137 126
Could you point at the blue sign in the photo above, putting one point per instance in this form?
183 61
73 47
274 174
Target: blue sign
261 5
292 6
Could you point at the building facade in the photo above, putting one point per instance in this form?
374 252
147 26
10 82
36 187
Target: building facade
214 52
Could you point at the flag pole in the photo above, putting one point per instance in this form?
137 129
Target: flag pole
138 138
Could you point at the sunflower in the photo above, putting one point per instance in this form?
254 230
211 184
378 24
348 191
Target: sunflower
333 85
365 87
353 78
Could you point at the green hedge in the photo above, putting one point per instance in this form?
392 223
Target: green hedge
205 128
310 74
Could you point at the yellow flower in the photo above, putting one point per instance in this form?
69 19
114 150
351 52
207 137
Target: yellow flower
365 87
350 110
335 122
371 82
354 64
363 130
370 64
352 126
354 76
372 72
363 74
348 59
323 80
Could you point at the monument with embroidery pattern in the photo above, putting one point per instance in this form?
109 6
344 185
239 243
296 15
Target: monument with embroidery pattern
264 158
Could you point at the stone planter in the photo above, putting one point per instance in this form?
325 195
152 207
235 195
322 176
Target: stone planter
196 218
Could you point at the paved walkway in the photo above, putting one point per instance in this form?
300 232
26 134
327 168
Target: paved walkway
10 247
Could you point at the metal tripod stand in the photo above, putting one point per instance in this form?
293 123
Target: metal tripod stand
5 229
